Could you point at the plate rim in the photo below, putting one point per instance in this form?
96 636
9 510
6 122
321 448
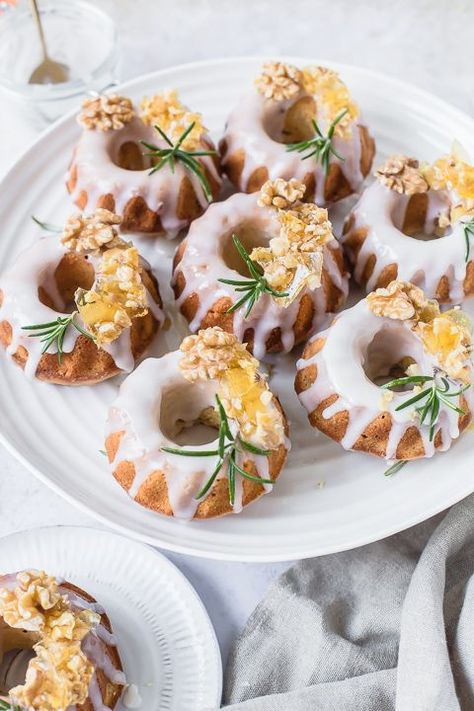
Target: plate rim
186 588
313 549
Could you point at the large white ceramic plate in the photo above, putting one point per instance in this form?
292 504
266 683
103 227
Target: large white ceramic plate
57 431
166 641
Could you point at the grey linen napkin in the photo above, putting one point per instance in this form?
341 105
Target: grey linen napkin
389 626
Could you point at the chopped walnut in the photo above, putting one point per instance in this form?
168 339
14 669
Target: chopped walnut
402 174
167 111
92 233
279 81
59 675
211 352
449 337
294 259
281 193
215 354
402 301
116 297
56 679
106 113
332 96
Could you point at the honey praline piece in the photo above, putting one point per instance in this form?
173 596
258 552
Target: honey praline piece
208 255
393 333
163 405
411 227
57 636
279 111
109 168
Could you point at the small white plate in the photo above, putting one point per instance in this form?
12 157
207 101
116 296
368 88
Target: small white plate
165 638
326 500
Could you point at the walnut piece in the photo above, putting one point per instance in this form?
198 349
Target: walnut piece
281 193
211 352
279 81
59 675
106 113
116 297
91 233
167 111
402 174
402 301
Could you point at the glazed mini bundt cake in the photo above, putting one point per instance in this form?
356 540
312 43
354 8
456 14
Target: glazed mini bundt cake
156 167
81 308
298 124
416 224
57 649
264 266
391 376
197 433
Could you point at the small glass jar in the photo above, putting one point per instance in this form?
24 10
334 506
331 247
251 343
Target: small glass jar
78 34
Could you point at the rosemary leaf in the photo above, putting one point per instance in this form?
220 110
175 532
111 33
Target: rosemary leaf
54 332
395 467
319 146
47 226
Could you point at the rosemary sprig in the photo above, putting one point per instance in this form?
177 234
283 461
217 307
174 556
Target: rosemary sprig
430 399
174 153
47 226
253 288
8 706
320 145
228 448
468 233
395 467
55 331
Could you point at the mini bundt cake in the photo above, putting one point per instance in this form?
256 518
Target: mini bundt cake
157 168
416 224
79 309
265 267
391 376
57 649
197 433
298 124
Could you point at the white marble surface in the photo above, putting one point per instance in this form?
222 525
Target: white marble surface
428 42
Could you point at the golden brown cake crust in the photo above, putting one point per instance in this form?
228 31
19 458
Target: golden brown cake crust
86 364
153 493
374 437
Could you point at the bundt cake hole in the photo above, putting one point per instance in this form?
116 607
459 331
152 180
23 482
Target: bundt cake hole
126 151
58 287
388 355
292 124
251 234
16 651
187 415
412 217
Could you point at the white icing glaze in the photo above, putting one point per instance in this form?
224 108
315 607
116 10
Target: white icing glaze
98 175
422 262
131 698
247 130
203 265
21 306
137 412
340 371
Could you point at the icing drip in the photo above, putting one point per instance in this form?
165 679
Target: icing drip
422 263
21 306
137 412
98 175
247 128
203 265
340 371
